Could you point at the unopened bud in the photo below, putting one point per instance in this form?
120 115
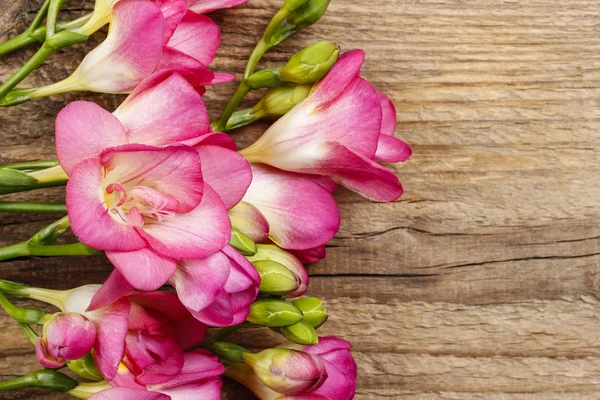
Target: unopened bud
308 14
86 368
301 333
50 379
288 371
273 252
242 243
264 78
66 336
313 310
311 63
275 278
281 99
274 313
229 351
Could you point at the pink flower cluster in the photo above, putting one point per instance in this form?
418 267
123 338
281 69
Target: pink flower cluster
159 192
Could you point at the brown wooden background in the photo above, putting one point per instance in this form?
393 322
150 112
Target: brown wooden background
482 281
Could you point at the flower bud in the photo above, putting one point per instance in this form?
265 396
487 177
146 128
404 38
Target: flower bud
308 14
294 4
86 368
242 243
281 99
311 63
274 313
288 371
273 252
229 351
50 379
301 333
264 78
313 310
275 278
66 336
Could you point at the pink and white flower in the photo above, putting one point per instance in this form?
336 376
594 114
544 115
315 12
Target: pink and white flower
198 379
150 185
339 131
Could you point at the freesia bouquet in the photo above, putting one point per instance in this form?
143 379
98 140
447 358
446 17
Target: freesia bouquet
201 235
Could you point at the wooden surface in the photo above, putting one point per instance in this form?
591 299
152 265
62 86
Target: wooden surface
482 281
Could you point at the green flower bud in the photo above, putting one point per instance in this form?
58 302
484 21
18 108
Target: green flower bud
275 278
229 351
86 368
43 378
313 310
242 243
301 333
274 313
294 4
311 63
264 78
281 99
308 14
12 180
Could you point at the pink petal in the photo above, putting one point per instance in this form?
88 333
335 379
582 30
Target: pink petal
130 52
115 287
199 282
190 332
191 69
293 224
226 171
392 149
357 173
159 357
174 170
143 269
213 139
205 6
164 109
173 11
83 130
111 330
221 77
240 265
198 365
205 390
195 234
310 256
248 220
197 36
219 313
128 394
44 357
388 115
90 219
336 80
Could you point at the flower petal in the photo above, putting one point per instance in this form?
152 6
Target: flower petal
129 53
193 70
197 36
198 365
115 287
121 393
174 170
343 72
389 148
275 195
226 171
205 6
144 269
164 109
310 256
111 330
173 11
90 219
204 389
195 234
247 219
83 130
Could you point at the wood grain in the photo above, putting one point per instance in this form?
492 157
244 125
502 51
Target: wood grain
482 281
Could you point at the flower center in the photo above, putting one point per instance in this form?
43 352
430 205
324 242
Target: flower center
135 205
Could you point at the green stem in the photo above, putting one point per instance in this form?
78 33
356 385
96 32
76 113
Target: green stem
33 207
19 314
39 35
38 58
39 17
29 165
27 249
29 332
220 123
52 17
33 186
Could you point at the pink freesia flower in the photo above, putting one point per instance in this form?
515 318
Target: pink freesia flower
280 382
292 223
145 332
67 336
144 38
198 379
156 230
339 131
